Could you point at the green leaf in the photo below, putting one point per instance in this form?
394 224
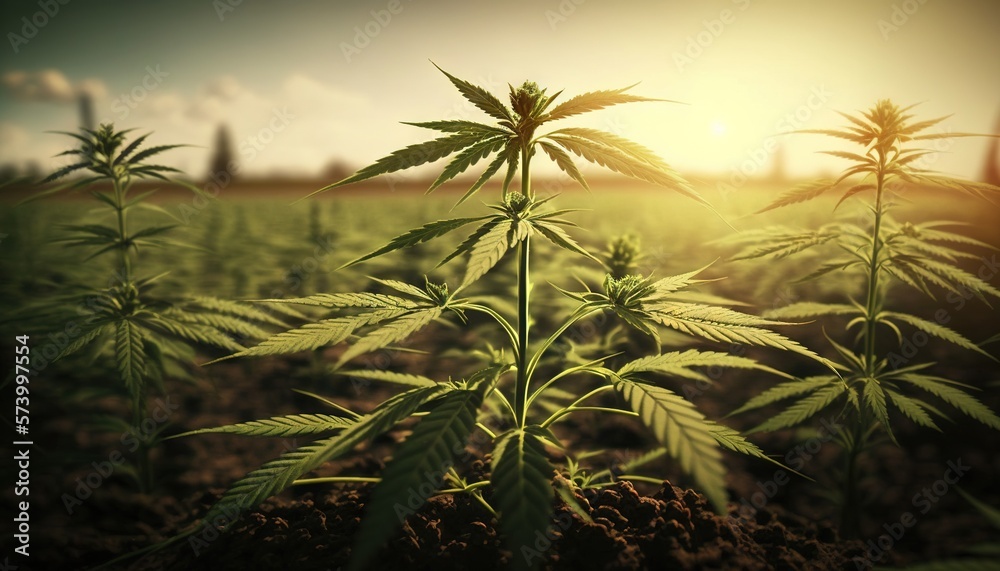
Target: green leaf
396 330
617 161
290 425
688 437
423 458
801 193
469 157
807 309
417 236
803 409
874 398
409 157
957 398
592 101
479 97
349 300
522 484
935 329
564 162
912 409
560 238
487 251
784 391
315 335
278 474
676 362
390 377
193 332
131 357
236 308
723 324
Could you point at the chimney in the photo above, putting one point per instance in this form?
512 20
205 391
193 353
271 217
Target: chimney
991 170
87 111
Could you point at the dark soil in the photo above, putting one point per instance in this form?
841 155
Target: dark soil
641 527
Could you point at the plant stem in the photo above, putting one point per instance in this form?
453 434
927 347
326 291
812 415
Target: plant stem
850 514
523 287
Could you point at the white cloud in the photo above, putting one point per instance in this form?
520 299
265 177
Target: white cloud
49 85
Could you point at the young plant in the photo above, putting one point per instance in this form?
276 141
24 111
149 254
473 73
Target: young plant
515 382
149 335
877 382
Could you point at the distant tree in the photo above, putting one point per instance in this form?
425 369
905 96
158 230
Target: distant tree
336 169
223 161
9 171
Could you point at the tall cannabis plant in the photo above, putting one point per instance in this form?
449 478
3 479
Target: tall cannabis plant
451 411
149 334
878 382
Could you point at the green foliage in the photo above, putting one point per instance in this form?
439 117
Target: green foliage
147 334
516 422
877 385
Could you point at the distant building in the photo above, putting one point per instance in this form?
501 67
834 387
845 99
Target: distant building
991 168
86 103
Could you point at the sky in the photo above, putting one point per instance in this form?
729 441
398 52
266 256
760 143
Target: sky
301 83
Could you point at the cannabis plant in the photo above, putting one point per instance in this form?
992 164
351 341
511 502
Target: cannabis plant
150 335
514 382
878 381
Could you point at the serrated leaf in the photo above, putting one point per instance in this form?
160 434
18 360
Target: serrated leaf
130 357
784 391
522 484
956 397
416 236
617 161
935 329
564 162
592 101
874 399
487 251
421 459
688 437
724 324
479 97
315 335
469 157
801 193
803 409
349 300
560 238
396 330
390 377
278 474
669 363
806 309
290 425
911 408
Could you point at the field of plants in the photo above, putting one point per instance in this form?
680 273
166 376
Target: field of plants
510 372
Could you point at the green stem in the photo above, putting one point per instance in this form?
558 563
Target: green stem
523 287
125 260
521 388
873 269
337 480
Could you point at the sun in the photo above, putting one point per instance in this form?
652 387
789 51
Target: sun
718 128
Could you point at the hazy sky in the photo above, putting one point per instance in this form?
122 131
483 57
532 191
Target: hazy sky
300 83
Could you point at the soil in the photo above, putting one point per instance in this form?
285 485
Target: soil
77 524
